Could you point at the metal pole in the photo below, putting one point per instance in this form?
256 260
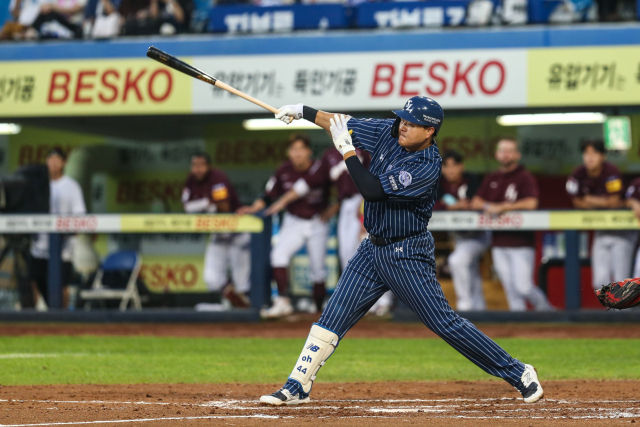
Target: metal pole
572 270
260 266
55 271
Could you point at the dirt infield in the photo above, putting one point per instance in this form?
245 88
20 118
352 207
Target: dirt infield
298 327
344 404
384 404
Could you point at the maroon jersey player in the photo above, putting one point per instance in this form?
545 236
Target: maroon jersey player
597 184
512 188
633 202
333 172
302 224
455 192
208 190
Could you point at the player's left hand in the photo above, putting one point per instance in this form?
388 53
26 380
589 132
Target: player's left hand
289 113
340 134
494 209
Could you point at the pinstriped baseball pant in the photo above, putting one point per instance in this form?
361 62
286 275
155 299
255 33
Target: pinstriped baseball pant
408 269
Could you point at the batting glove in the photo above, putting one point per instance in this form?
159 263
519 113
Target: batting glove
340 133
289 113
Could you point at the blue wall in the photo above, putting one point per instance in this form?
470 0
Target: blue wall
4 12
334 41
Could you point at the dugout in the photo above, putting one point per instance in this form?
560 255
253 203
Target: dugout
131 124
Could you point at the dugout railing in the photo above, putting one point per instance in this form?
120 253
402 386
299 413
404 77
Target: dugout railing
58 225
570 222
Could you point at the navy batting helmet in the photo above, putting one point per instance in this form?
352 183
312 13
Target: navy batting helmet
421 111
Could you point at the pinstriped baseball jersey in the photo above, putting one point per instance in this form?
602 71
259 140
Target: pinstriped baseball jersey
406 267
409 178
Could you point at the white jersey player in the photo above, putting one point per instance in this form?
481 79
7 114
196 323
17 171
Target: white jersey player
65 198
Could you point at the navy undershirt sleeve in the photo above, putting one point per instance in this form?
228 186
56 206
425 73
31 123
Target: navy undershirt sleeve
368 184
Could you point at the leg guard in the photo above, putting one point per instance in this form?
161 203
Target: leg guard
319 346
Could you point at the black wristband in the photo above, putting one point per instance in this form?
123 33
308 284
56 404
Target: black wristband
309 113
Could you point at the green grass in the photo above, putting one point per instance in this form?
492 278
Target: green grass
114 360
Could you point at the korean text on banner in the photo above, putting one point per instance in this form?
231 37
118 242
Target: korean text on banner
92 87
584 76
220 223
366 81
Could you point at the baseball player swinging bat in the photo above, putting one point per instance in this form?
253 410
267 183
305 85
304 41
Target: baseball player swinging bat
183 67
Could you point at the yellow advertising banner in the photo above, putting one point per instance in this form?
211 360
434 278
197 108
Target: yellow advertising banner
552 77
592 220
92 87
173 273
583 76
219 223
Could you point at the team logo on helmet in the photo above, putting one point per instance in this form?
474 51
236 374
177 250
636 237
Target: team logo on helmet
409 106
405 178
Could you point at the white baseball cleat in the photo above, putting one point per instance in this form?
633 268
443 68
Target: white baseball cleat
533 390
281 307
283 397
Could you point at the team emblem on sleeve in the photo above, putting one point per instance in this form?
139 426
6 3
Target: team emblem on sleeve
405 178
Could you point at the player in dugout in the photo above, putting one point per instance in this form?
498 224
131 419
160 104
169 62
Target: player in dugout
208 190
455 192
399 191
633 202
597 184
333 172
512 188
304 224
65 198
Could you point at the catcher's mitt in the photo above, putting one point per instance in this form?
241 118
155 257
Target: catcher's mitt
623 294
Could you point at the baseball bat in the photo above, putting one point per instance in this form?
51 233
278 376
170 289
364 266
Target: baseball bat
183 67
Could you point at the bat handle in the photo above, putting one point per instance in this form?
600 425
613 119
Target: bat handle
249 98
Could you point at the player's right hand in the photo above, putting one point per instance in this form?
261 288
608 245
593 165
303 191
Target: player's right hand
245 210
340 133
289 113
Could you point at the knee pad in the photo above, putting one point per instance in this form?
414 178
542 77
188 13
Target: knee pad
319 346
